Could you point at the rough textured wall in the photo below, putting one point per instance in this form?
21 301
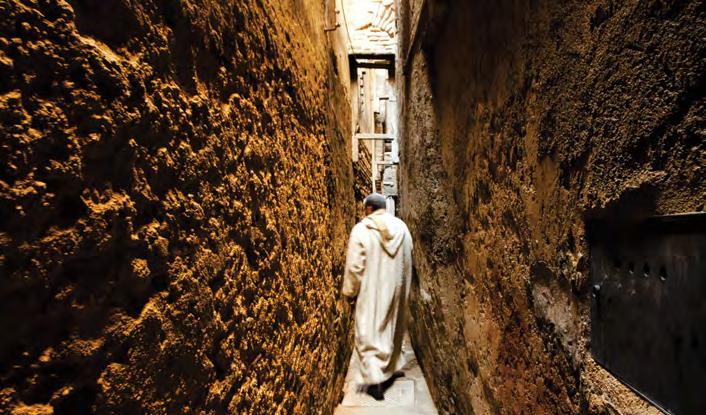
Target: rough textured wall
521 121
175 196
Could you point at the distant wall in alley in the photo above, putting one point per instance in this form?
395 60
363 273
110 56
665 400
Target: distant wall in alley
520 121
175 196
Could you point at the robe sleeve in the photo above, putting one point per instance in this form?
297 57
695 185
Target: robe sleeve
355 265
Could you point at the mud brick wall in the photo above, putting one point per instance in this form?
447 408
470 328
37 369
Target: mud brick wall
521 121
175 195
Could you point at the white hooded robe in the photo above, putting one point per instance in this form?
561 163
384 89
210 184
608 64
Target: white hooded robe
379 272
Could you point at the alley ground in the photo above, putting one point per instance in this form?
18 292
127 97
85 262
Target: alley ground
408 395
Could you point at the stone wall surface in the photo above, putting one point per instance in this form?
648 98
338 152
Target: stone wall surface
175 197
520 122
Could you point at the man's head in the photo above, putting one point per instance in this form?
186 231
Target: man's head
373 202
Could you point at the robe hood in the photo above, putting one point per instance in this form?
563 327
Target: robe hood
389 230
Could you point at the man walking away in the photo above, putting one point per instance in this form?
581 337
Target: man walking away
379 272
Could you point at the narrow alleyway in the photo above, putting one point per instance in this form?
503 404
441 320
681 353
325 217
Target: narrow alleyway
180 178
368 29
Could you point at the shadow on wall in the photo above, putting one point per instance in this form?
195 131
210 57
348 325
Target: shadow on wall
520 123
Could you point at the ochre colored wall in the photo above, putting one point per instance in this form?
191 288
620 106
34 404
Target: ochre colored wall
522 120
175 196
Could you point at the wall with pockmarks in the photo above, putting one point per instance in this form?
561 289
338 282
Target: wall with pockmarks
175 196
520 122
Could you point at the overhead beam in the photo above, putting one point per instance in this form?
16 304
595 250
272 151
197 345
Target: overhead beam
380 56
374 65
369 136
373 136
380 61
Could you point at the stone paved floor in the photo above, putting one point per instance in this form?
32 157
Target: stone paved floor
409 395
